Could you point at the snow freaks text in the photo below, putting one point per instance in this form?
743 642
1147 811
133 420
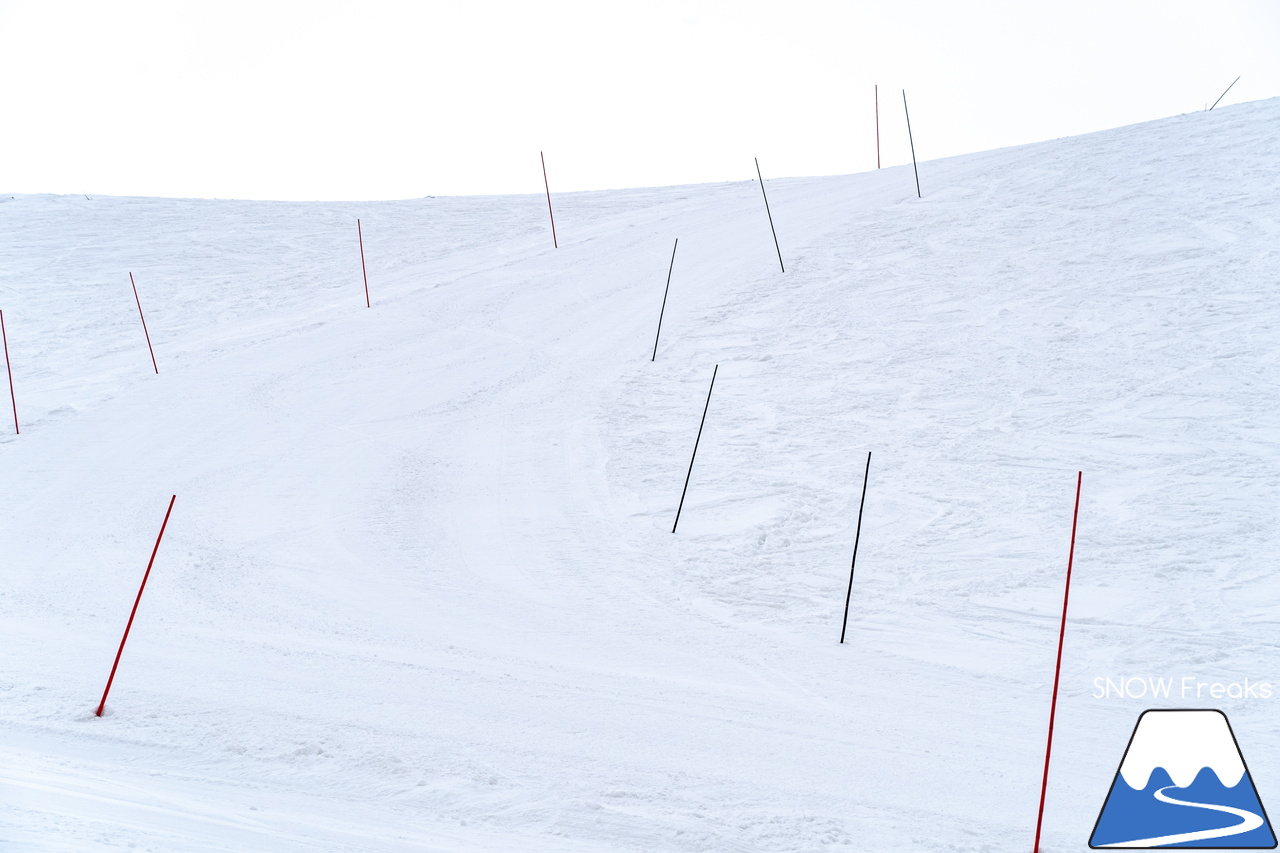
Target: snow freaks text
1186 687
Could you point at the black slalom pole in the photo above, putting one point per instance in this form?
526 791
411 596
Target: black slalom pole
913 143
664 300
1224 94
555 244
695 447
877 125
856 537
766 210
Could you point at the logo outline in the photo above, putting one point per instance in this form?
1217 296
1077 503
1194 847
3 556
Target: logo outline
1248 774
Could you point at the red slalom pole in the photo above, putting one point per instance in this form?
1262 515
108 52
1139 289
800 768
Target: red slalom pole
360 237
877 125
10 369
549 210
134 612
144 324
1057 670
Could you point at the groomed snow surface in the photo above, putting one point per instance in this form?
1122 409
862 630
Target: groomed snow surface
420 592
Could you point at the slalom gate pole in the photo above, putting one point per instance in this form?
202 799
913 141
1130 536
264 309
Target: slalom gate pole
10 369
695 447
766 210
550 212
144 324
134 612
877 126
856 537
363 271
1224 94
664 300
913 143
1057 670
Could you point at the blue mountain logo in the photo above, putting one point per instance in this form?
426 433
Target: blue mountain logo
1183 783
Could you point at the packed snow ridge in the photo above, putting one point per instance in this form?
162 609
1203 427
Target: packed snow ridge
419 589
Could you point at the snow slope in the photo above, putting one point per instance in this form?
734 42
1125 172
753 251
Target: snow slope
419 589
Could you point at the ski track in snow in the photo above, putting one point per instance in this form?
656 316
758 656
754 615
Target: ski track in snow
1248 822
419 591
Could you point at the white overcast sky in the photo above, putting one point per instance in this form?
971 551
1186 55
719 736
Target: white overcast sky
322 100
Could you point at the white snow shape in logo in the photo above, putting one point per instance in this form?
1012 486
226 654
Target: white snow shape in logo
1183 743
